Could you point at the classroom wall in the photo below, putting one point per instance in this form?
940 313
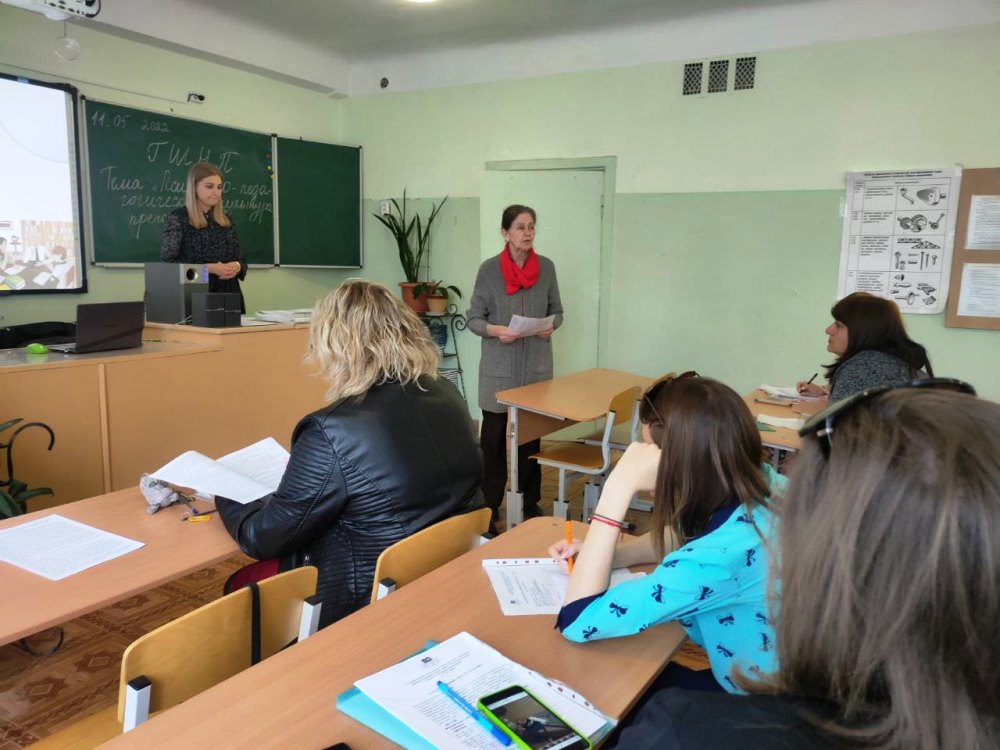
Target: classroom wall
116 70
727 224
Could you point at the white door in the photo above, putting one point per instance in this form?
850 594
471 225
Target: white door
568 231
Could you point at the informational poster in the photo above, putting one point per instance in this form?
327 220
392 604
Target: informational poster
984 223
899 231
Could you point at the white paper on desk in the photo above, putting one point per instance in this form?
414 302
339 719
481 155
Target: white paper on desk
789 392
790 423
472 669
55 547
521 326
243 476
535 585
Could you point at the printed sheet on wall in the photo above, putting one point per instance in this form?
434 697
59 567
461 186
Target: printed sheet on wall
899 232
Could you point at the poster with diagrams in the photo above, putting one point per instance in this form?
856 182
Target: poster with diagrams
899 230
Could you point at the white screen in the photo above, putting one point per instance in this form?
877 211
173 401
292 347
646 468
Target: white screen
39 217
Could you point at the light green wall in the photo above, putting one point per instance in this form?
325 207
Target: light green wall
727 219
726 213
116 70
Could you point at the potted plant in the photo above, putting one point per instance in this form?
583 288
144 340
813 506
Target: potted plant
437 295
14 494
412 235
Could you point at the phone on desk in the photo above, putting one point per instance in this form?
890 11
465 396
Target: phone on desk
530 723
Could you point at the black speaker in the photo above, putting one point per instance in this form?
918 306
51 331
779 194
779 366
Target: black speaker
215 310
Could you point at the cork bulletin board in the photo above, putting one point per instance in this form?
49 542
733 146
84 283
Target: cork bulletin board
974 301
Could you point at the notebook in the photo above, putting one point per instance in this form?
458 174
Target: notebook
104 326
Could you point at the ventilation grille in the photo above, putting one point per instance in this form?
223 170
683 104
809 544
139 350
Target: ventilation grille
692 78
746 70
718 76
739 74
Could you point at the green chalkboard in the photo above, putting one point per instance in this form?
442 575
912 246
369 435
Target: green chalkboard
319 195
137 165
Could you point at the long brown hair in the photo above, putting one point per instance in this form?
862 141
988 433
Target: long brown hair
875 323
196 174
710 455
890 574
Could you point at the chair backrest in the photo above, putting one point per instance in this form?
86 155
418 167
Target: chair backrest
638 403
212 643
420 553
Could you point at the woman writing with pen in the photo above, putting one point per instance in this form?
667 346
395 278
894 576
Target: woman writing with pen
711 521
869 339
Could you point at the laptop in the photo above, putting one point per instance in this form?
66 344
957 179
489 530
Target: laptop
105 326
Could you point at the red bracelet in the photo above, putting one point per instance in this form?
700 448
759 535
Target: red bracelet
610 522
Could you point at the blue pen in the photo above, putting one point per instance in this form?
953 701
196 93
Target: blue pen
481 720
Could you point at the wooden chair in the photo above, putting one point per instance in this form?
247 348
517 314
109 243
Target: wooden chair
591 460
196 651
410 558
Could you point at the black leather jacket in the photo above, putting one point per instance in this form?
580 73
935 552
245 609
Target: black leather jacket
363 475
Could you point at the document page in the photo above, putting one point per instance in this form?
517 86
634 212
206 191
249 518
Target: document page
789 422
522 326
535 585
789 392
472 669
243 476
55 547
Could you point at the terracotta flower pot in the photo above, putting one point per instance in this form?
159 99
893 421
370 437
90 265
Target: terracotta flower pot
417 304
437 305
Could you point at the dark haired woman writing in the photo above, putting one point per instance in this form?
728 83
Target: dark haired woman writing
201 232
868 336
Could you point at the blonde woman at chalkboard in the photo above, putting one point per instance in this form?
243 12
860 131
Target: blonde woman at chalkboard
201 232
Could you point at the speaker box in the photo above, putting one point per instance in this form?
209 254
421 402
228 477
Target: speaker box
215 310
169 289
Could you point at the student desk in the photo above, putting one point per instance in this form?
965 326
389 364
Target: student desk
172 549
288 701
541 408
782 438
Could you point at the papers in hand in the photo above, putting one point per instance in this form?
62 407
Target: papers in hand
243 476
535 585
55 547
521 326
472 669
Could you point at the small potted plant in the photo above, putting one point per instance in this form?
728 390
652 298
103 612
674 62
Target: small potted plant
412 235
437 295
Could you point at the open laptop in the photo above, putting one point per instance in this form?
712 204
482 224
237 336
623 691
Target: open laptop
104 326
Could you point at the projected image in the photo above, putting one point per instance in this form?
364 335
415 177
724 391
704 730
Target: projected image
39 221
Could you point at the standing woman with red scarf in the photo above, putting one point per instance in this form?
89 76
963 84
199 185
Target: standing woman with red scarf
516 282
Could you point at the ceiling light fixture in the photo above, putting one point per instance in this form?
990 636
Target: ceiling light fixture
66 47
422 1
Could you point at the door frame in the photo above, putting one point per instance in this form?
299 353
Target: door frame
607 166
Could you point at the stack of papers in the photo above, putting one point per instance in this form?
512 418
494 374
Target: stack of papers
786 391
300 315
410 709
55 547
789 422
535 585
244 476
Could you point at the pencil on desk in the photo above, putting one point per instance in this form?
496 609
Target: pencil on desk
569 542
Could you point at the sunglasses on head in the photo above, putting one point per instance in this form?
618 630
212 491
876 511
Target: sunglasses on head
656 388
820 425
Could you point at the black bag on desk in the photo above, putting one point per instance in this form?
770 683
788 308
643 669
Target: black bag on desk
53 332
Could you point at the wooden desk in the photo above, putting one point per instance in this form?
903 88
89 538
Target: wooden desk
119 414
541 408
288 701
172 549
782 438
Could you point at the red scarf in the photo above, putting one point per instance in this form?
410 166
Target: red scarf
518 277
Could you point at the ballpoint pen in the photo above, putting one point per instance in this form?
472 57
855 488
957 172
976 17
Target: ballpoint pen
809 382
481 720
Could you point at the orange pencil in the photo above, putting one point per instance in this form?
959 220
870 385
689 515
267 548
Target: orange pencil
569 541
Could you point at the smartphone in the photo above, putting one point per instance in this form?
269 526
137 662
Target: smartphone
529 722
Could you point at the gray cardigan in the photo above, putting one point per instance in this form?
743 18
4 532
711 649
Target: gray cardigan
527 360
868 369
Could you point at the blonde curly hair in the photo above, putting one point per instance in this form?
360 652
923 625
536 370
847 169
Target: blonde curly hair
362 335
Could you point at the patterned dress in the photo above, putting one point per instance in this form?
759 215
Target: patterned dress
715 586
182 243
